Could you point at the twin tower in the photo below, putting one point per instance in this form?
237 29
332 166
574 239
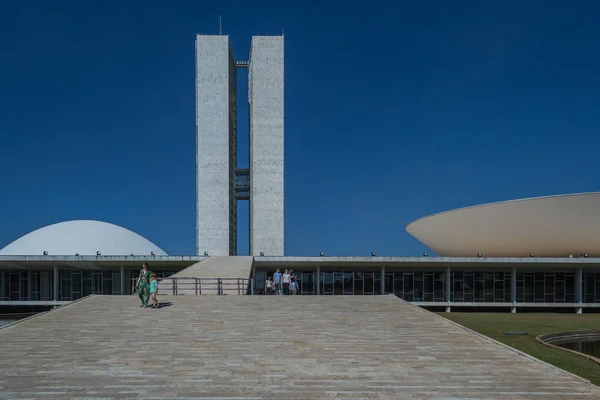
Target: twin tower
219 182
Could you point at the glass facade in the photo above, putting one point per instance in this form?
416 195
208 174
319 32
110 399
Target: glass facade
410 285
465 286
486 286
417 285
591 287
350 282
546 287
305 280
73 284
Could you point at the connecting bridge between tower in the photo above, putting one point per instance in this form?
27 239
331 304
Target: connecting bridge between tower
242 184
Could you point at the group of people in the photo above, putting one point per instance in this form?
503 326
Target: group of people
146 287
282 284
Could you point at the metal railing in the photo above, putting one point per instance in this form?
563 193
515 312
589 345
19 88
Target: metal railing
199 286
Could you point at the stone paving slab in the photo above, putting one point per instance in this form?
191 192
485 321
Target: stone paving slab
265 347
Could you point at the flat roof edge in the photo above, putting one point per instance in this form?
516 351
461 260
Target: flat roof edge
100 258
409 259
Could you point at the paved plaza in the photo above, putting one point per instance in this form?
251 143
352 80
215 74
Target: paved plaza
258 347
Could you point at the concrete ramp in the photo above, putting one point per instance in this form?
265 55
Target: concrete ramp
228 268
266 347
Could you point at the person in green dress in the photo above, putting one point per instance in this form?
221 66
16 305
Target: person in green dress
143 285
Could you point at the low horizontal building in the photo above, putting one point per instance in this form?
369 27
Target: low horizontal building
526 253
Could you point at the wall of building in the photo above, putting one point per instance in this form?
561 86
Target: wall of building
73 284
488 285
215 126
266 102
491 285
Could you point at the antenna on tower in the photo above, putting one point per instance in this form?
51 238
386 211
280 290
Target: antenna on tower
220 30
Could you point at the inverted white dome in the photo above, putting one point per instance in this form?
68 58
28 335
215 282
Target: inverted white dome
84 238
551 226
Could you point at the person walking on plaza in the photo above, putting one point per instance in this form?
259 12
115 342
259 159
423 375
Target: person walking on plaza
143 285
277 279
153 291
269 286
293 283
286 282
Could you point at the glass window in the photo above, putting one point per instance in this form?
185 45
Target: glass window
368 282
96 282
418 289
549 288
507 287
338 284
14 285
307 283
327 279
348 282
408 287
116 282
569 284
65 285
468 284
539 276
539 291
24 286
559 292
4 285
76 285
261 281
107 282
389 282
438 290
478 287
457 291
488 288
520 290
529 287
358 283
428 284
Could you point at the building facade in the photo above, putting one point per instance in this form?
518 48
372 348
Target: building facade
265 99
476 282
219 181
452 283
45 280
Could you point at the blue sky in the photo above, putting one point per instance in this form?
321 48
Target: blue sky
393 112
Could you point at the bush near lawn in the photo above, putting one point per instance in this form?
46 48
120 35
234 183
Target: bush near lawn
495 324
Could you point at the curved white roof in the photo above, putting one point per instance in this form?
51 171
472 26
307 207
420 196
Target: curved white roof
81 237
552 226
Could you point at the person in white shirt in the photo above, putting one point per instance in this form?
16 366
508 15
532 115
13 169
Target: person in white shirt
269 286
286 282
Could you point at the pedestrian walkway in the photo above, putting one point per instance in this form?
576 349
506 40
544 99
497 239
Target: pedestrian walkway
265 347
207 271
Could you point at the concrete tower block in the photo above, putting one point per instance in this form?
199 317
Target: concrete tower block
265 92
215 146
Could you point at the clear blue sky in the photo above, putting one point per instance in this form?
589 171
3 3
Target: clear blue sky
393 112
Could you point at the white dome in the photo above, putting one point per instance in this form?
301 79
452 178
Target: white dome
84 238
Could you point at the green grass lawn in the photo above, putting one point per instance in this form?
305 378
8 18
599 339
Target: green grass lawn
495 324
